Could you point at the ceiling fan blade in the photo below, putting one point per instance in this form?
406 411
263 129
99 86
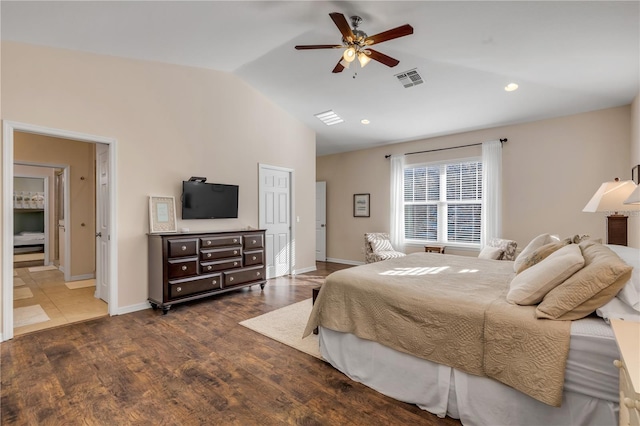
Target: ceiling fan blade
338 68
343 26
401 31
318 46
382 58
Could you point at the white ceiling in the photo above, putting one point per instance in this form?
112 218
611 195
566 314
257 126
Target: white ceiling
568 57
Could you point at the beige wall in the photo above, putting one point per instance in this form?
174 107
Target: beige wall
171 123
634 219
80 157
22 170
551 168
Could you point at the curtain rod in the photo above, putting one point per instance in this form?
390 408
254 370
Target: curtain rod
444 149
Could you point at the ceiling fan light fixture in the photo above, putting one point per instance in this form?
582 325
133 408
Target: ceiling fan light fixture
363 58
349 54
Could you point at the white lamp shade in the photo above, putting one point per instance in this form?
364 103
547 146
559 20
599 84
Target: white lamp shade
634 198
363 59
349 54
610 197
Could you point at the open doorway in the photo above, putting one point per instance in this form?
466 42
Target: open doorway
79 224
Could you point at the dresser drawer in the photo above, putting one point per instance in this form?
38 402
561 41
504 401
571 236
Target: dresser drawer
231 240
254 257
187 287
242 276
206 267
182 248
253 241
182 268
221 253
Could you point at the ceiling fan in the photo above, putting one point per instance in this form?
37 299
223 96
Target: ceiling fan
356 43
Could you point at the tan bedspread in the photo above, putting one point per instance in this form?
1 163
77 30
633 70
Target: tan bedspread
451 310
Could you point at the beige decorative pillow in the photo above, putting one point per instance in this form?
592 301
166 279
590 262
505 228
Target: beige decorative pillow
494 253
602 277
381 245
539 254
530 287
534 244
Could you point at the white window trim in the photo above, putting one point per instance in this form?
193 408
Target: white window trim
442 205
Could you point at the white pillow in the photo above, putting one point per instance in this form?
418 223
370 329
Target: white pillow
617 309
494 253
630 293
533 245
531 285
381 245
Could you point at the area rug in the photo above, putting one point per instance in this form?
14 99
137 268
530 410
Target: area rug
286 325
74 285
22 293
29 315
42 268
17 282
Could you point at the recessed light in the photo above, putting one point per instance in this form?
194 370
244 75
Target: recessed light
510 87
365 121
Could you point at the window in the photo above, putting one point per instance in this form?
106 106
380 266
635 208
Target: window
443 202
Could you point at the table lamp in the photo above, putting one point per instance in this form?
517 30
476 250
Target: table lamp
610 198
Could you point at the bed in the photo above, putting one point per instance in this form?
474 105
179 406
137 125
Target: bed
28 239
395 327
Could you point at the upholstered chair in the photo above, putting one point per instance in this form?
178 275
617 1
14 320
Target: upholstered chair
377 247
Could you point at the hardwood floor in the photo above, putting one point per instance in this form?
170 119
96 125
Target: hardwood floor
194 366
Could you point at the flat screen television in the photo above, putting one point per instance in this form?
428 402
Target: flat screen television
201 200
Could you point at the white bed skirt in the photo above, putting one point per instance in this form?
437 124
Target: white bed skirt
443 390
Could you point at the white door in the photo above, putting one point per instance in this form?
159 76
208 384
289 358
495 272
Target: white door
275 218
102 221
321 221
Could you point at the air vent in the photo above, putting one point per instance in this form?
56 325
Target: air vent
329 118
410 78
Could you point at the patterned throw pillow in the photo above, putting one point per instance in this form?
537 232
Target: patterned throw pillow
538 255
381 245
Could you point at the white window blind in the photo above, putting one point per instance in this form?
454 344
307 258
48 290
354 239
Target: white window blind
443 202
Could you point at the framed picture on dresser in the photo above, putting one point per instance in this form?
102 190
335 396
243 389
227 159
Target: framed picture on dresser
162 214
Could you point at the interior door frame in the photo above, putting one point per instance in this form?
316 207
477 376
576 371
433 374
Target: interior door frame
292 218
47 229
8 129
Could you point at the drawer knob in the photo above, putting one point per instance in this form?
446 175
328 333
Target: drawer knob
230 278
214 282
208 242
258 273
253 241
184 267
183 248
208 254
254 258
617 363
209 268
235 252
179 289
235 263
235 240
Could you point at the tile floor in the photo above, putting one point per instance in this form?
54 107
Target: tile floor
61 304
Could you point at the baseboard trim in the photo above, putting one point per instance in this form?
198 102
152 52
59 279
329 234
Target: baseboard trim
82 277
304 270
344 261
133 308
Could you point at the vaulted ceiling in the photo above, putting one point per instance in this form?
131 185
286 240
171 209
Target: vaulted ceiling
567 57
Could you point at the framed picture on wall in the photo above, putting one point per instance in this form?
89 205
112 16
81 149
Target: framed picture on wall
162 214
361 205
634 174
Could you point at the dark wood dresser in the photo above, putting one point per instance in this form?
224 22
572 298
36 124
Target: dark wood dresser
189 266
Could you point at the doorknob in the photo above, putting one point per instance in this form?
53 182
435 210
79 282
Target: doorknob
322 225
98 234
